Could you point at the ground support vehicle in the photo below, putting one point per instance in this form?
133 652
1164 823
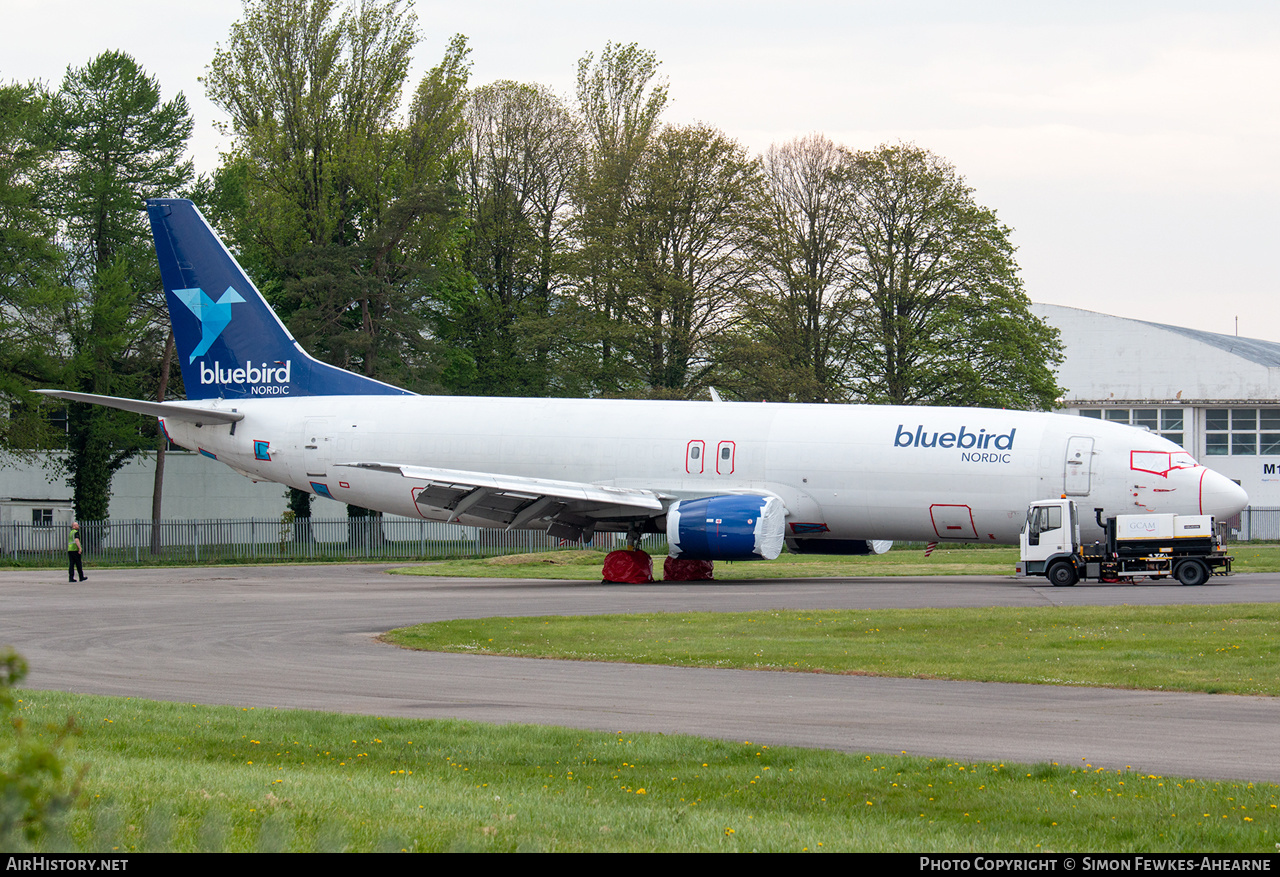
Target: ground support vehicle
1188 547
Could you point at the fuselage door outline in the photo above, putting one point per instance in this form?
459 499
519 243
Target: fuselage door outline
725 453
317 446
695 454
953 521
1078 467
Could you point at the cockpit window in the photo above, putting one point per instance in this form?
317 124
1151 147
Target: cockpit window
1160 462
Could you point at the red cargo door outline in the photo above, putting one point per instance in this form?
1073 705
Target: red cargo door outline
953 521
413 493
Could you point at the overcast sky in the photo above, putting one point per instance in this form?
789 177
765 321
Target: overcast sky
1134 147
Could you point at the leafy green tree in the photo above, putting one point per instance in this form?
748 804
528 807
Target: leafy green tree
297 517
402 185
102 332
794 344
30 262
687 223
279 79
27 250
348 213
119 144
415 242
620 99
522 161
942 317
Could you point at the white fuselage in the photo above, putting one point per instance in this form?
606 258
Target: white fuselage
843 471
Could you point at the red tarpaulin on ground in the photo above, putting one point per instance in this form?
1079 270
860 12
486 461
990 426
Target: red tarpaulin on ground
628 567
682 569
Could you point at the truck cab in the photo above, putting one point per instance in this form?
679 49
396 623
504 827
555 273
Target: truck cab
1050 541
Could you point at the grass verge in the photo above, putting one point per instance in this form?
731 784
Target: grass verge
167 776
973 560
1230 648
586 564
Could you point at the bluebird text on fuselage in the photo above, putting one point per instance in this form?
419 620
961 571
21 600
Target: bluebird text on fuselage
963 439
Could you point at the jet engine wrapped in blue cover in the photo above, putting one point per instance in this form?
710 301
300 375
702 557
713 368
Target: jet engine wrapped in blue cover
726 528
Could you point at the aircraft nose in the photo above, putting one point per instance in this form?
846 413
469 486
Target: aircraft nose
1220 496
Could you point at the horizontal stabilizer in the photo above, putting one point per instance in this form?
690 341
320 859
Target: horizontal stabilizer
172 410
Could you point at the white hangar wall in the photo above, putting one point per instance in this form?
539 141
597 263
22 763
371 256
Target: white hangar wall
194 488
1216 395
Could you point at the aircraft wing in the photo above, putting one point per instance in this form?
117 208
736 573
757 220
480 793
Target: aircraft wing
514 500
176 410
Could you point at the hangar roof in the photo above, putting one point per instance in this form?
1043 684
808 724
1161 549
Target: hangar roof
1254 349
1119 360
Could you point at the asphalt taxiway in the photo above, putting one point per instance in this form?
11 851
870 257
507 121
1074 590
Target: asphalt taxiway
305 637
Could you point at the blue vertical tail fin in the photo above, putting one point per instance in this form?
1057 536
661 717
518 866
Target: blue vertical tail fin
230 343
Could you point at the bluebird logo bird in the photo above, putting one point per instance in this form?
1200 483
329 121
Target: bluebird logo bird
213 316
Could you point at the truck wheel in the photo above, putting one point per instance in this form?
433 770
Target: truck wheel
1192 572
1062 575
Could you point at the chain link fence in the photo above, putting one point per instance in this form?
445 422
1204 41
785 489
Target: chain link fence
304 539
259 540
1258 525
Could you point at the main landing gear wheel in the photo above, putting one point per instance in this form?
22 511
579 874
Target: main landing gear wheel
1192 572
1062 575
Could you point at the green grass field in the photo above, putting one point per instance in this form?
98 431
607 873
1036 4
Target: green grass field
176 776
1232 648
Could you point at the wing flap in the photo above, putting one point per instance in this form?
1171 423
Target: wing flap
516 500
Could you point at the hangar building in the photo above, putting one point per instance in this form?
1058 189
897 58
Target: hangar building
1216 395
